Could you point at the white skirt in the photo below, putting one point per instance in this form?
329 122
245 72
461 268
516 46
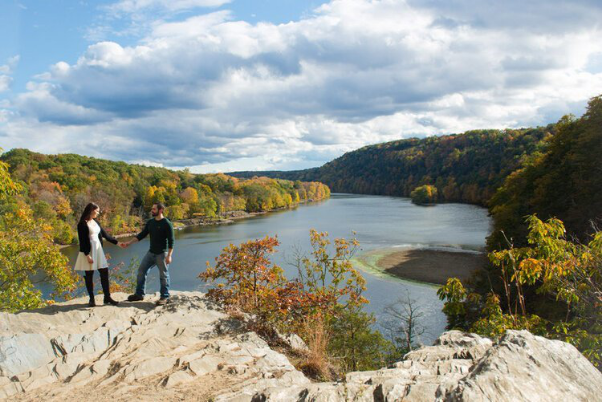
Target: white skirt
98 256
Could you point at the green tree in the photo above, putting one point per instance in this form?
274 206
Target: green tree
354 344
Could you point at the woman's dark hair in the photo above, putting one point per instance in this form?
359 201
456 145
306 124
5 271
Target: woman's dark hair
88 212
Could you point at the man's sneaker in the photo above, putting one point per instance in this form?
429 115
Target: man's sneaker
135 297
162 301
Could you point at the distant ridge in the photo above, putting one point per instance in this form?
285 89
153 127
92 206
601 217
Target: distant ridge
466 168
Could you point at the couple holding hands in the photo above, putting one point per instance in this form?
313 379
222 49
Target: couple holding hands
92 257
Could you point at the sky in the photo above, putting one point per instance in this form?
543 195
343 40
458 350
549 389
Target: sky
227 85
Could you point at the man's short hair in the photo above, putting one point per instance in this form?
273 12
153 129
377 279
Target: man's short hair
160 206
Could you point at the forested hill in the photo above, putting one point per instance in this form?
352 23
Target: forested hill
465 168
564 182
57 188
552 171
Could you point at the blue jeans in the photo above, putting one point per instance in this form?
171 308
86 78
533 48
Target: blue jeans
150 260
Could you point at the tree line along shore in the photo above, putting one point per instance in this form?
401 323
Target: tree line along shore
57 187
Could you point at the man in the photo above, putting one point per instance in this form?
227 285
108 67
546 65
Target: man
161 234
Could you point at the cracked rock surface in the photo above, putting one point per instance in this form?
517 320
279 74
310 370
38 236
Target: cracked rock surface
186 350
465 367
190 350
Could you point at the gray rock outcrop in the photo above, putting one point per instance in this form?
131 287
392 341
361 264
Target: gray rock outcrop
466 367
191 350
186 350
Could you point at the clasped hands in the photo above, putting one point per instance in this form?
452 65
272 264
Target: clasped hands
123 245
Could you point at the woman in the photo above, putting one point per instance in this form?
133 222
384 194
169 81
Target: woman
91 255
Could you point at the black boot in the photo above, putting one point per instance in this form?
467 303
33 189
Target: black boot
104 281
89 279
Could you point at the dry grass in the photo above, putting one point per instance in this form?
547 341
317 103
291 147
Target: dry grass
316 363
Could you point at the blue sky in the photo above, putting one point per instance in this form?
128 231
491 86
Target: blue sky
44 31
220 85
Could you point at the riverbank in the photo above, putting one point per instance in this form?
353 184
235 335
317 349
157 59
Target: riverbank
229 218
423 265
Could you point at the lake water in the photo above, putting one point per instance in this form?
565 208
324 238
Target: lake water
379 222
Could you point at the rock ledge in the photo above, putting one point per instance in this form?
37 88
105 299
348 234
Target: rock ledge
191 350
465 367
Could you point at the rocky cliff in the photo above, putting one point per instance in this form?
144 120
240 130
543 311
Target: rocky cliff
191 350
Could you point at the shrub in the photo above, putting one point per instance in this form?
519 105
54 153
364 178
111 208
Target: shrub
323 305
568 271
425 194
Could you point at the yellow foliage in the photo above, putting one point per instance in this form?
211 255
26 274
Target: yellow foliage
27 249
189 195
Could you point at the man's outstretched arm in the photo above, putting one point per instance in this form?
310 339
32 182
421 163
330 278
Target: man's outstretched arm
138 237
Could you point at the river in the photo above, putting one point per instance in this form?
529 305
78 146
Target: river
378 222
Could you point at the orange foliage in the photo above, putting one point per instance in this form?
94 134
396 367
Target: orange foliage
246 279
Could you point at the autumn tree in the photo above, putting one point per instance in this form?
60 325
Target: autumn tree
28 255
334 296
190 196
555 266
247 278
425 194
323 304
7 186
329 274
562 182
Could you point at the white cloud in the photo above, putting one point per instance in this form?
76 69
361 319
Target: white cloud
5 82
5 71
10 65
4 115
211 92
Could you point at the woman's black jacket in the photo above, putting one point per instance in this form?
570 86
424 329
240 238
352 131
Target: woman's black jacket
83 233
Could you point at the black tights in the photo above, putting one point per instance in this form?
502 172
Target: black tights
104 281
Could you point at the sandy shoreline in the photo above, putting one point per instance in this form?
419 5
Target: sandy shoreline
425 265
